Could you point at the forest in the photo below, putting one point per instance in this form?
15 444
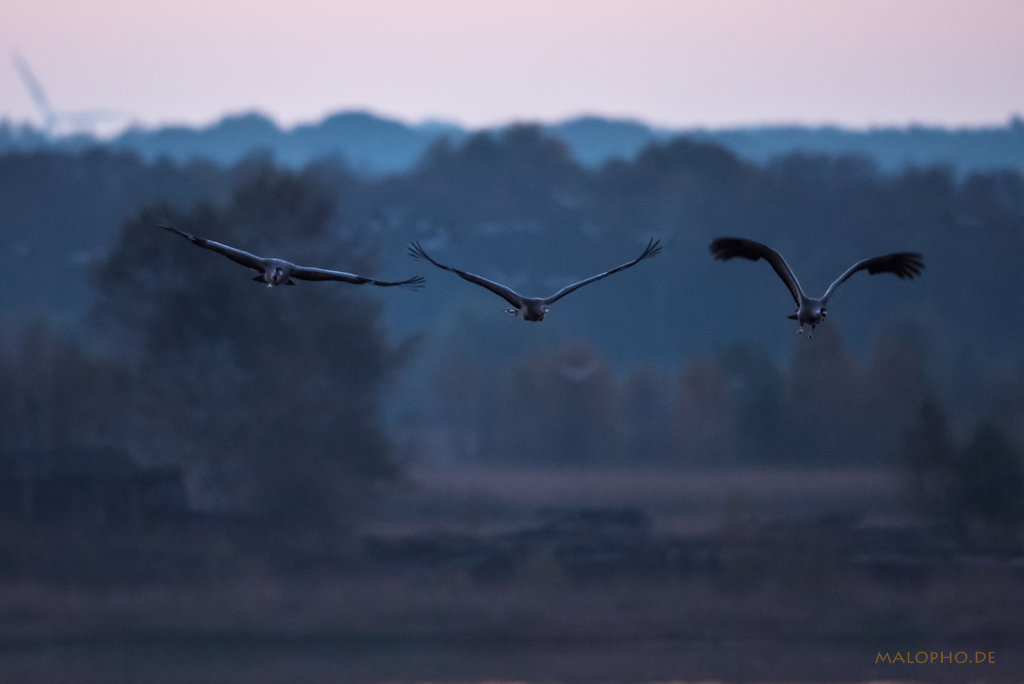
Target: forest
167 420
379 145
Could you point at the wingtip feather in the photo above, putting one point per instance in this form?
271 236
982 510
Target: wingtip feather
414 283
416 251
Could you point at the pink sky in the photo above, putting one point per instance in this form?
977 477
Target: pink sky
479 62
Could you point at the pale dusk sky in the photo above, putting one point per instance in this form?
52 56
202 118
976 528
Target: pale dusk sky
681 63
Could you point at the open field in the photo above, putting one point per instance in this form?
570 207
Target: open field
678 501
447 629
749 576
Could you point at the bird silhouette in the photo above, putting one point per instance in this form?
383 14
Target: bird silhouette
531 308
811 311
273 271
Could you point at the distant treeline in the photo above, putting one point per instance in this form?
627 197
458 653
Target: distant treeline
376 145
284 402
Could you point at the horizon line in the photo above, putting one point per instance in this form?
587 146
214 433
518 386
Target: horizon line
1012 119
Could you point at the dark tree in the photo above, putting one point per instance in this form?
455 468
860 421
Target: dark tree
930 456
977 490
990 489
270 396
